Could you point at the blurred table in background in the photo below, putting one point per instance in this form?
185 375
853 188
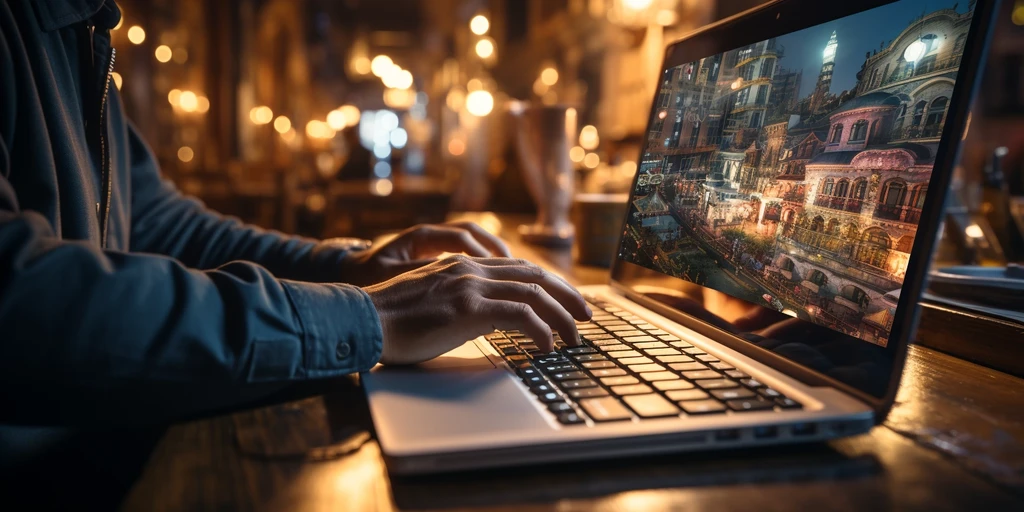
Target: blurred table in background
368 208
954 441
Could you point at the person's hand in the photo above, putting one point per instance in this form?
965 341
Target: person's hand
437 307
418 246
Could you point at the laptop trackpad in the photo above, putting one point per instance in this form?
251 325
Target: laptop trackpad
459 395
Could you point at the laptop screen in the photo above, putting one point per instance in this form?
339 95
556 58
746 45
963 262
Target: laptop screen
782 183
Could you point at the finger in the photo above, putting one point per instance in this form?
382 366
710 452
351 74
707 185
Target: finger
430 241
545 306
503 262
495 244
564 293
511 315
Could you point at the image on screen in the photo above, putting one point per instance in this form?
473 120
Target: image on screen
792 172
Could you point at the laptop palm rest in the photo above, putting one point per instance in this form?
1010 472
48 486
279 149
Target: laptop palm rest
458 395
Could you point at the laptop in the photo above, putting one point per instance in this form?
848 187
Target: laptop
788 196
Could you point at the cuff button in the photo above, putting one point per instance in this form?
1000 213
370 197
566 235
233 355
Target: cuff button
343 350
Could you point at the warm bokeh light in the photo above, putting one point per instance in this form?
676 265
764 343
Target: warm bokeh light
185 154
666 18
382 187
120 21
351 113
403 80
577 153
188 101
588 137
637 5
319 130
479 103
288 136
316 202
180 55
484 48
336 120
1018 15
456 147
136 34
174 96
261 115
163 53
549 76
456 99
662 114
361 65
539 88
591 161
399 98
282 124
474 84
629 167
974 231
479 25
202 104
117 79
380 65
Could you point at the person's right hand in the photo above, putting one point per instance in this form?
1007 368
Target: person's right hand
435 308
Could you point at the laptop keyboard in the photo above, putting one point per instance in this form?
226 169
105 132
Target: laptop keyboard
626 368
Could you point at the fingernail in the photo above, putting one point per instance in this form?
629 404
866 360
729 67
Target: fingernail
589 312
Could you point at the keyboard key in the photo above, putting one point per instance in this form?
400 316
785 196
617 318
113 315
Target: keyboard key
569 375
623 328
570 418
641 324
621 380
550 397
518 357
687 367
666 385
661 351
769 393
605 409
597 337
707 358
598 364
589 357
787 403
494 336
511 350
657 332
609 372
611 309
639 339
657 376
736 374
702 406
540 389
650 344
627 334
668 337
651 405
528 371
587 393
610 341
623 354
680 344
577 384
751 383
535 379
580 350
674 359
717 384
642 368
561 367
558 407
733 394
588 332
613 348
681 395
701 374
693 351
631 389
549 359
635 360
722 366
755 404
611 323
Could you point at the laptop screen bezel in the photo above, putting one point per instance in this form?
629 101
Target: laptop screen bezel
783 17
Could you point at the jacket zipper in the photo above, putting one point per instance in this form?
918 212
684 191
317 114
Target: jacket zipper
104 154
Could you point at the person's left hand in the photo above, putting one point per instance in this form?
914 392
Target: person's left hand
418 246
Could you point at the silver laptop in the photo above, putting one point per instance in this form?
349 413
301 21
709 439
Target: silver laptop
765 289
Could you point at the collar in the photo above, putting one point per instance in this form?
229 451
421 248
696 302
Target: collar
57 14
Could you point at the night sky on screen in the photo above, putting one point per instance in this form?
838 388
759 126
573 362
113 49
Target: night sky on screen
856 34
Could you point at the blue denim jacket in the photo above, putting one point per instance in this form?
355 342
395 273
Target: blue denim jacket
120 298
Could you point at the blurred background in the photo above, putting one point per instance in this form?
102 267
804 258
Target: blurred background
356 117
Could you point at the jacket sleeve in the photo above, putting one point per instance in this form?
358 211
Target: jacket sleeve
93 336
164 221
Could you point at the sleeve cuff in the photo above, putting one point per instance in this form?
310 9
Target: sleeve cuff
326 260
341 329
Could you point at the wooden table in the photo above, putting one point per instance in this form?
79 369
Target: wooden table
954 441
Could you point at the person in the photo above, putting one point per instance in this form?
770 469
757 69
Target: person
123 301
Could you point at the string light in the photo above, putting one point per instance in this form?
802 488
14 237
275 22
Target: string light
261 115
185 154
549 76
589 138
174 96
479 25
188 101
351 113
336 120
202 104
577 153
380 65
163 53
282 124
136 34
484 48
479 103
591 161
